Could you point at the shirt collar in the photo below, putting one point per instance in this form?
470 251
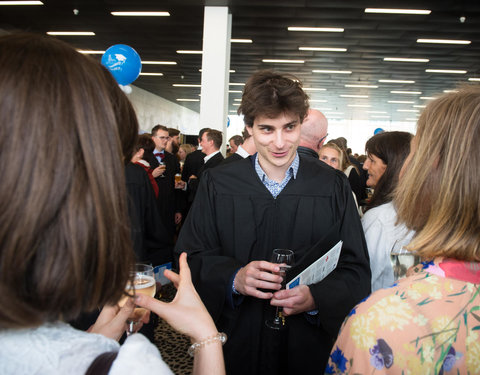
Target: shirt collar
292 169
208 157
241 151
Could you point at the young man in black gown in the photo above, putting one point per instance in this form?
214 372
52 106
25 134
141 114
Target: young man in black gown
274 199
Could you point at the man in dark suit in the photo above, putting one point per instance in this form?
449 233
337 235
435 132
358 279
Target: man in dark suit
194 160
211 141
169 200
244 150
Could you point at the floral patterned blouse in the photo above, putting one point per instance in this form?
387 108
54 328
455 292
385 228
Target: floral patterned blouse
427 323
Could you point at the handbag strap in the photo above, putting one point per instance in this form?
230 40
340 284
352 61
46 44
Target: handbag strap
102 363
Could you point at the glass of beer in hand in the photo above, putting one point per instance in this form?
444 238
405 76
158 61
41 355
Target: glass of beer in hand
143 280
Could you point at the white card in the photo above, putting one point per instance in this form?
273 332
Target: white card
318 270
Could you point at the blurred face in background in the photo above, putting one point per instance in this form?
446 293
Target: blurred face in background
233 146
182 154
330 156
375 168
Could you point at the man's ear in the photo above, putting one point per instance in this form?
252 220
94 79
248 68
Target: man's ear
249 129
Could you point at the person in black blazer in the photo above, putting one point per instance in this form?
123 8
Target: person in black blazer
211 141
194 160
165 166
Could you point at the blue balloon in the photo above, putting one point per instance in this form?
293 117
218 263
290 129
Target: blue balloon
378 130
123 62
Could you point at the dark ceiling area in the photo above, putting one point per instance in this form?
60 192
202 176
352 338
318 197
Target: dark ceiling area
366 40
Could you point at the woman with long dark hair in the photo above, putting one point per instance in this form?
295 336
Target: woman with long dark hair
386 153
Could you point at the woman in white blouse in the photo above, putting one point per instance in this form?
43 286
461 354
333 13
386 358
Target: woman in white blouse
386 153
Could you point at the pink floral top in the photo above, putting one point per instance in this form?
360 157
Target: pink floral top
428 323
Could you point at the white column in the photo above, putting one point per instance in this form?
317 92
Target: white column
217 26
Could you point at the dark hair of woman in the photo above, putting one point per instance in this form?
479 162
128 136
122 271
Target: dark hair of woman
65 244
392 148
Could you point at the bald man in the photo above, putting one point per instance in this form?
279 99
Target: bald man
313 133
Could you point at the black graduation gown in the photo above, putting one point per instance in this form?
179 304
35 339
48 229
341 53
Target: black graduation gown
193 183
193 163
170 200
151 242
232 158
234 220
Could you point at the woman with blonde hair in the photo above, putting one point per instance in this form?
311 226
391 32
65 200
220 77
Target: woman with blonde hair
429 322
65 236
331 154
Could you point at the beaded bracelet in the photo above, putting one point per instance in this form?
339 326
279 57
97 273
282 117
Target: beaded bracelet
222 337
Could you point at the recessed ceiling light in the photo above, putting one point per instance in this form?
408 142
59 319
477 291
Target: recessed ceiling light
398 11
187 100
363 86
72 33
318 29
408 110
359 105
237 100
332 71
236 104
21 3
376 112
232 111
400 102
411 119
90 52
234 91
419 106
318 101
313 89
443 41
446 71
404 59
322 49
406 92
394 81
427 97
354 96
159 63
474 79
449 91
236 84
230 71
151 74
189 52
185 85
283 61
141 14
241 40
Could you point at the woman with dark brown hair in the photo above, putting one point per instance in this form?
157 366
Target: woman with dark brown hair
429 323
386 153
65 245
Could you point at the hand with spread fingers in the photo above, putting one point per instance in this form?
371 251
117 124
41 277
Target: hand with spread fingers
188 315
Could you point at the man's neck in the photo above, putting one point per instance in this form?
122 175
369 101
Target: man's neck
209 152
157 150
311 146
274 173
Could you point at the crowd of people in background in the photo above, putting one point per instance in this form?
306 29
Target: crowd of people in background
67 238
